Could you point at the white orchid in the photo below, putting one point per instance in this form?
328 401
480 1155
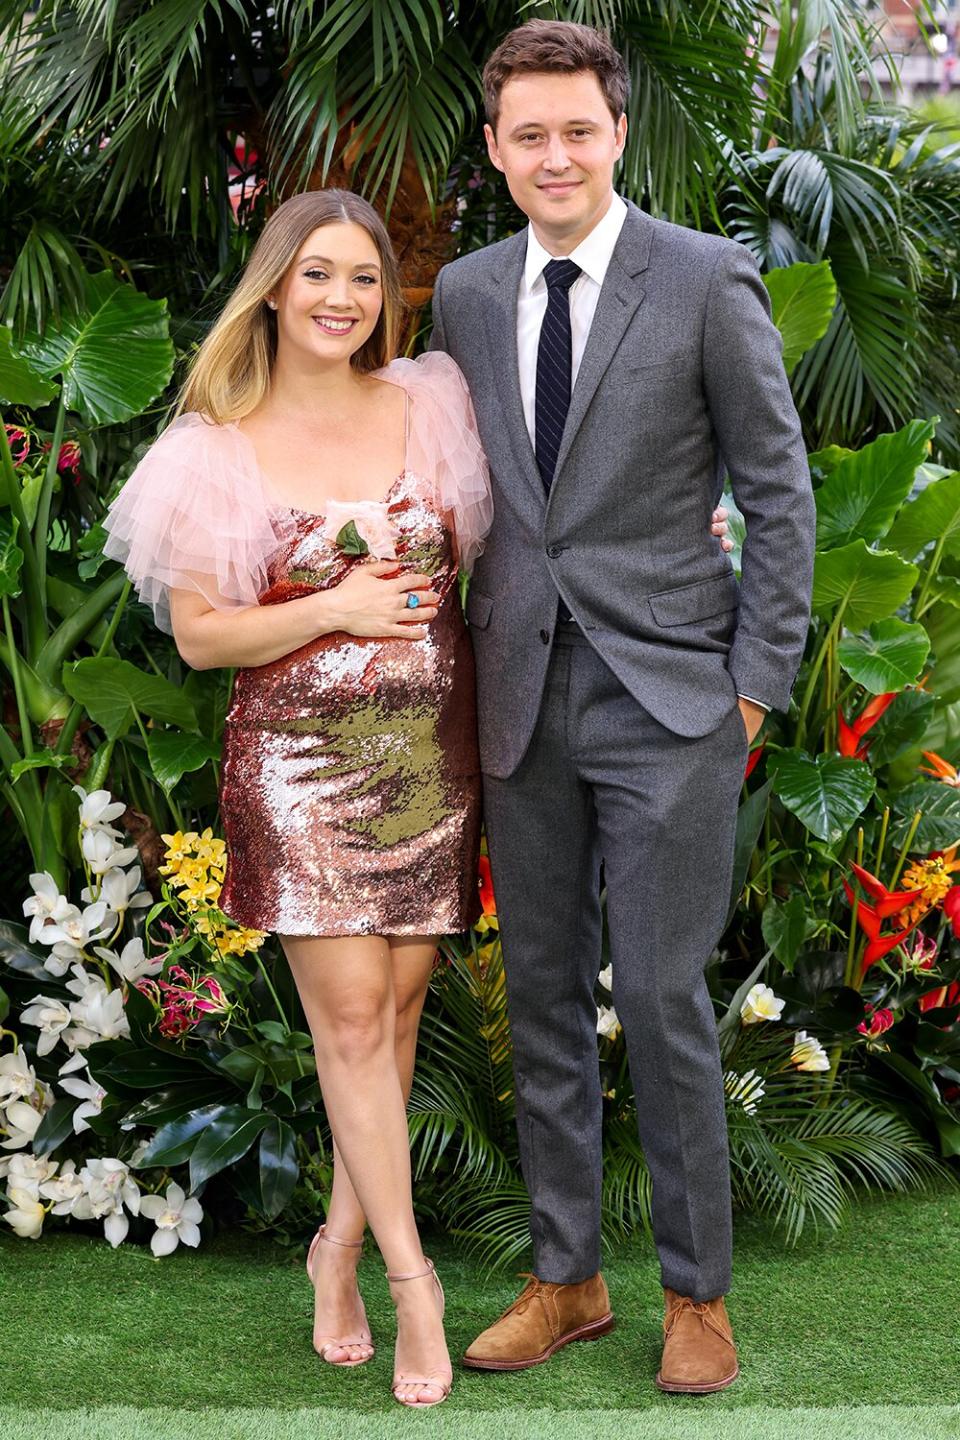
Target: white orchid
607 1021
18 1079
29 1172
97 810
70 930
97 1013
20 1122
65 1190
42 903
808 1053
606 978
51 1016
177 1219
109 1186
131 964
747 1088
27 1215
120 889
761 1004
90 1092
102 853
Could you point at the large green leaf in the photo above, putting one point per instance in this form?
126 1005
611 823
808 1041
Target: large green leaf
11 556
19 382
224 1141
749 820
860 498
786 927
174 1142
934 513
826 792
279 1169
111 690
173 754
887 657
869 584
114 357
803 297
940 821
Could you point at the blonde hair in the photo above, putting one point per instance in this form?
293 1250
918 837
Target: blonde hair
230 373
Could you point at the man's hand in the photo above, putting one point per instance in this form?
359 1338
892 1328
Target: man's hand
752 717
720 527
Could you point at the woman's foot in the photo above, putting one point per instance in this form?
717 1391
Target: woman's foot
423 1374
341 1335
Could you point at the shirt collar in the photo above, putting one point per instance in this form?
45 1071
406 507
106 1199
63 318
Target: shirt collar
593 254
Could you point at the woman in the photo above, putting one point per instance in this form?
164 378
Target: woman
349 788
350 783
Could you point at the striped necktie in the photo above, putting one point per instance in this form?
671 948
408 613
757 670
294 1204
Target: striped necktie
553 367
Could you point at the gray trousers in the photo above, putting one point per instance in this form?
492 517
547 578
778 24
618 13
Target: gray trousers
603 781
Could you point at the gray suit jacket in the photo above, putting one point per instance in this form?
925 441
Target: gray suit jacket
682 374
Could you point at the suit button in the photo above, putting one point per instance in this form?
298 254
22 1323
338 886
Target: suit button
554 550
545 636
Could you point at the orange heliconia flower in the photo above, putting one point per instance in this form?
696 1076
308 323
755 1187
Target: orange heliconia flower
940 769
851 741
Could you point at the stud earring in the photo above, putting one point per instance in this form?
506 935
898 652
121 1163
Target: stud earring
272 304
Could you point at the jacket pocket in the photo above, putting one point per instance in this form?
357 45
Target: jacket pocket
686 603
478 608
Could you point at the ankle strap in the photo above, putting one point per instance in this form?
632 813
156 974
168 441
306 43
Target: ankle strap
414 1274
332 1240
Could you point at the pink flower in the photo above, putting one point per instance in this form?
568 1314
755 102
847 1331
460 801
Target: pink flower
372 519
68 461
215 1000
16 437
876 1023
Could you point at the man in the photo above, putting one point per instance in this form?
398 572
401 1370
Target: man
616 364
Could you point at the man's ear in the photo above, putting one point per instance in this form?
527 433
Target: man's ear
621 134
492 148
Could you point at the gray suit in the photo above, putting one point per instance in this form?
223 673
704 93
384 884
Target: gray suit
620 742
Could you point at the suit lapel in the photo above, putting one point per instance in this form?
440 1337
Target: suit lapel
500 316
621 295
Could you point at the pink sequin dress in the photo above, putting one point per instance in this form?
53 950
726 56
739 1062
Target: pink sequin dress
350 786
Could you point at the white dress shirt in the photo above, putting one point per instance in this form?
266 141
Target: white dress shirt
593 255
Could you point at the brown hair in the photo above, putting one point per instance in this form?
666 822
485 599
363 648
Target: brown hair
556 47
230 373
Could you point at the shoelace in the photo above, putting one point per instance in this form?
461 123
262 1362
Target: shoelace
699 1307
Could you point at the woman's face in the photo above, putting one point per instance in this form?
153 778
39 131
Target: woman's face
329 301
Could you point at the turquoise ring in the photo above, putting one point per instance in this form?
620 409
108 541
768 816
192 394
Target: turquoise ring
413 600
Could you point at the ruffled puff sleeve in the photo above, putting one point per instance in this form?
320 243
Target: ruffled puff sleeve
443 445
194 516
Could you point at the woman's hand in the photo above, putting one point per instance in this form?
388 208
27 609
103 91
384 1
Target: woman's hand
372 602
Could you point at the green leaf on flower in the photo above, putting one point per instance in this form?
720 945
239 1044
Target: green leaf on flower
934 513
173 755
113 690
803 298
826 792
940 821
350 540
889 656
868 584
786 927
114 357
19 382
11 556
860 498
225 1141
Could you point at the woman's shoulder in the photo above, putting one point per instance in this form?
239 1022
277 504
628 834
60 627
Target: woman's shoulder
433 372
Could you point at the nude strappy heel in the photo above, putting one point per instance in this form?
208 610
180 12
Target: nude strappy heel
334 1342
434 1381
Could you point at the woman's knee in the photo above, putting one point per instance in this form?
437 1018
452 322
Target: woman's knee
357 1028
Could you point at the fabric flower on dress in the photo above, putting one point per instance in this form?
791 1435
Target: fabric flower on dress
177 1218
347 522
808 1054
761 1004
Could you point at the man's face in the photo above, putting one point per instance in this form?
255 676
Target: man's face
557 143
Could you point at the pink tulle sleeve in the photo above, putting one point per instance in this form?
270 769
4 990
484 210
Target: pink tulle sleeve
443 445
194 516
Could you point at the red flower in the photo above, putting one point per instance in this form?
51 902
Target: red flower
752 759
951 908
68 461
870 917
941 999
17 437
485 882
850 738
876 1023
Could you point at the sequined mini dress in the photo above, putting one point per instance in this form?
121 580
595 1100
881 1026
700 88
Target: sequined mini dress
350 784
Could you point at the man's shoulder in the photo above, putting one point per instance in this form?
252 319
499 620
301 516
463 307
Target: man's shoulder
684 244
477 264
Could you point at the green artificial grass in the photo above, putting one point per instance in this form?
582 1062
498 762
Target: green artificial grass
863 1317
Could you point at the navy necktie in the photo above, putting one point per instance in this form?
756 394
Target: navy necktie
553 367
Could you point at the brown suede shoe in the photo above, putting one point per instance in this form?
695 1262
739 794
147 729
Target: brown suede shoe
540 1321
698 1351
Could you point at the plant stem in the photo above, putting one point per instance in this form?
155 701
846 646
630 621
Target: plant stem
883 840
36 630
929 576
821 655
42 524
906 848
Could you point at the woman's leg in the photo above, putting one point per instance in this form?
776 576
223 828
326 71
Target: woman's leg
347 990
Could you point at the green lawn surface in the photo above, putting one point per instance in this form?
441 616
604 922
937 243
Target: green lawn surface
216 1343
